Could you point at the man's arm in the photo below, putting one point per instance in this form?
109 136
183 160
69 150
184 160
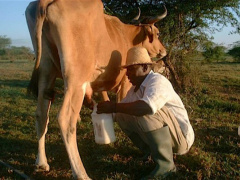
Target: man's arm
137 108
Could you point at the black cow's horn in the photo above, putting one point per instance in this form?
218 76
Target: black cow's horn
155 19
138 16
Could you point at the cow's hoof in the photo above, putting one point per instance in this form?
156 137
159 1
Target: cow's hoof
42 168
83 178
86 178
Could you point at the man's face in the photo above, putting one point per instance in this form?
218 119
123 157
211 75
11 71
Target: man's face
135 74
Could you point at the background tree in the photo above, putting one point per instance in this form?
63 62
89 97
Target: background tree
5 42
184 30
8 52
214 52
21 52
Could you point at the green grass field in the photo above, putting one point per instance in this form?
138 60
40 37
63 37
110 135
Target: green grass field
214 113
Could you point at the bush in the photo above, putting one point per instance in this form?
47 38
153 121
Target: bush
235 53
14 53
2 52
216 53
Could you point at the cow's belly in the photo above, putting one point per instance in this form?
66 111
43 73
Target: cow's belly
110 55
107 78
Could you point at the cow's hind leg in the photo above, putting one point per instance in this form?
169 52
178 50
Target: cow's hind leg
67 119
45 96
41 126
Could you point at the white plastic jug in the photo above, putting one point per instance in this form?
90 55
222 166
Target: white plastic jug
239 130
103 127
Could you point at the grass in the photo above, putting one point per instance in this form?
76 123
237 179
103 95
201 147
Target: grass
214 110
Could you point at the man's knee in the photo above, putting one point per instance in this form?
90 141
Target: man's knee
149 123
119 118
124 123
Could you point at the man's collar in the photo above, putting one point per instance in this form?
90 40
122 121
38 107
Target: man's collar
144 83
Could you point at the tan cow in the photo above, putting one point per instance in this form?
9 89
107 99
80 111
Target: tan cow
77 42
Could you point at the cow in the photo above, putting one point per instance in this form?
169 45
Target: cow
74 40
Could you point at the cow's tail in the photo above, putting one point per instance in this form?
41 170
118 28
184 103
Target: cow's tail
41 15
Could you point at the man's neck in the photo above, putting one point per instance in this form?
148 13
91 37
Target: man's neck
140 82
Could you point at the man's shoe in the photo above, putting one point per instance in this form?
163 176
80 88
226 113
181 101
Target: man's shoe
141 145
160 177
160 143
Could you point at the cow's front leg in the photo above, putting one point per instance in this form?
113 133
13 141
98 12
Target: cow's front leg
105 96
67 119
125 86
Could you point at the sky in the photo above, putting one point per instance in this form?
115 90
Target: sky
13 25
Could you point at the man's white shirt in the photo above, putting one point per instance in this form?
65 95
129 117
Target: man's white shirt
157 91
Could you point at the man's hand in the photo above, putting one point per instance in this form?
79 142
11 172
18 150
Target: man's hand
106 107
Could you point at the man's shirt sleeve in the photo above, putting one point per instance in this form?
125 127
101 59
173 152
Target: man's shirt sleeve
156 93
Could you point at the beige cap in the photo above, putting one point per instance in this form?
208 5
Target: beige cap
137 55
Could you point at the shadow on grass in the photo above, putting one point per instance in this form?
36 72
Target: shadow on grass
100 161
15 83
14 61
21 155
17 153
225 62
219 140
113 161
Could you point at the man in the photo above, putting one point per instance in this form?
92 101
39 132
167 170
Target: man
152 114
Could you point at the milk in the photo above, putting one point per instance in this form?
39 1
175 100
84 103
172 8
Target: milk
103 127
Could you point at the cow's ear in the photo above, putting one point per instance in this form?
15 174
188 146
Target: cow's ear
149 32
